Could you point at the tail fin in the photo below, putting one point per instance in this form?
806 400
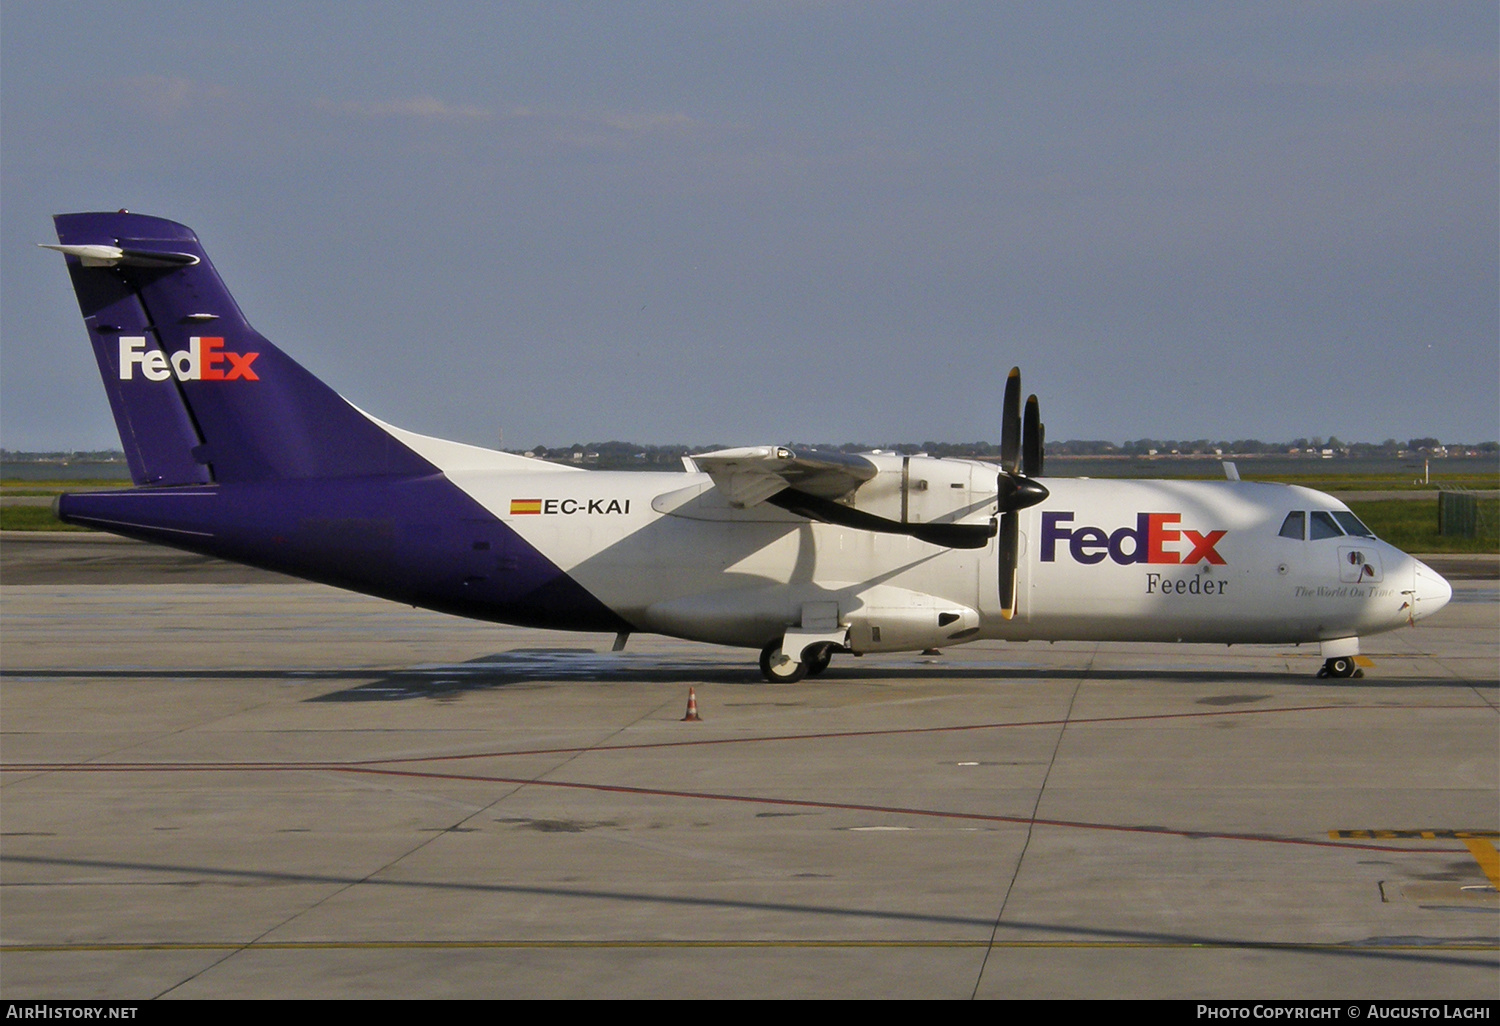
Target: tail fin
199 395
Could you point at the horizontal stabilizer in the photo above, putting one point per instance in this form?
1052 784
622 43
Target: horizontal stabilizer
94 255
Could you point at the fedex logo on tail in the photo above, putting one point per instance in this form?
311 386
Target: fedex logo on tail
1153 539
205 359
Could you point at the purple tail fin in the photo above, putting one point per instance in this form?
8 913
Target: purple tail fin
198 394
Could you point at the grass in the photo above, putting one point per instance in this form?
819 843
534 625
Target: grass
1411 525
40 518
14 486
33 518
1384 482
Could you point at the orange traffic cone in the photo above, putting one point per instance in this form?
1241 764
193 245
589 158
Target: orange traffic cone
692 710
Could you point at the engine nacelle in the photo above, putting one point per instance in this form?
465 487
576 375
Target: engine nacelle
925 490
880 619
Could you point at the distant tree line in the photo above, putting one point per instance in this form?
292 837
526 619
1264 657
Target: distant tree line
624 455
1254 447
617 455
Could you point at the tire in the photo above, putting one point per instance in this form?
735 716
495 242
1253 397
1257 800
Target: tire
787 673
1340 667
817 658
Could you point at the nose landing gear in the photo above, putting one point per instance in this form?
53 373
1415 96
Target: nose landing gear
1340 667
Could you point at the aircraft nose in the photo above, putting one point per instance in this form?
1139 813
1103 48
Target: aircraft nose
1430 591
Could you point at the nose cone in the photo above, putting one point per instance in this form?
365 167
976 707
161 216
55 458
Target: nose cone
1430 591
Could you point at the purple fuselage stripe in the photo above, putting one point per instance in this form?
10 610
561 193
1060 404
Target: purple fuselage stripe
418 540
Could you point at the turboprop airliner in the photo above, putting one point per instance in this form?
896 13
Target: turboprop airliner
237 451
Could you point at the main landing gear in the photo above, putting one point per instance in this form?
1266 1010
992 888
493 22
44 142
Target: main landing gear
1340 666
781 669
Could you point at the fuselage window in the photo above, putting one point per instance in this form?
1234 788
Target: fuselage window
1292 526
1351 524
1322 525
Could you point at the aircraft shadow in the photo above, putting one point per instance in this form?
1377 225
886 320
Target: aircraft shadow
550 667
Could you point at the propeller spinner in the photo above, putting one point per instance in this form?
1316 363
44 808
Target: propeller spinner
1020 462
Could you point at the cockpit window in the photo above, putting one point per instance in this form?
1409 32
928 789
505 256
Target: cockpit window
1292 526
1351 525
1322 525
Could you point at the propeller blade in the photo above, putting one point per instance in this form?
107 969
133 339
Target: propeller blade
1021 446
1031 439
1010 544
1010 423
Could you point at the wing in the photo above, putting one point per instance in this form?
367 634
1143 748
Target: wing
750 476
811 483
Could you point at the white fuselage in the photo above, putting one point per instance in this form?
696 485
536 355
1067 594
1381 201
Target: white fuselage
1105 560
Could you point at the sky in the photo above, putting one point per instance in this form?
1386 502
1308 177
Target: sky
741 223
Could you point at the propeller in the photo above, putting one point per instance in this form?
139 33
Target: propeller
1020 462
1020 465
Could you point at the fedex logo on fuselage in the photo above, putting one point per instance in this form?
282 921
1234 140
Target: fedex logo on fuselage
205 359
1146 542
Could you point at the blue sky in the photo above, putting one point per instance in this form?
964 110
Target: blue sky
752 222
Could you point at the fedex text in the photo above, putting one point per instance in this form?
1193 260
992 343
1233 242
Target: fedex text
1153 539
205 359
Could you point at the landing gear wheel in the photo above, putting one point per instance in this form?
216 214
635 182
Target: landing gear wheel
818 658
787 671
1339 667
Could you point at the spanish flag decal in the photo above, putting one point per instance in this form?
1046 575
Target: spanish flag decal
519 506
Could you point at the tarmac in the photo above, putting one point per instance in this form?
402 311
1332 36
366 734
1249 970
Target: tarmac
216 782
